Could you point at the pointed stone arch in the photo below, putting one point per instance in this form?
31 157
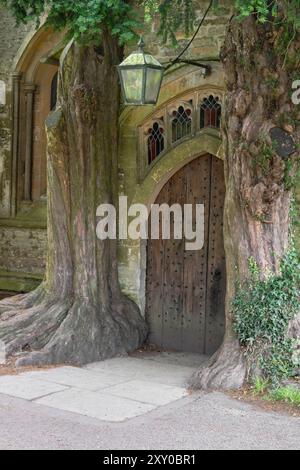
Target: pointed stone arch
173 161
34 69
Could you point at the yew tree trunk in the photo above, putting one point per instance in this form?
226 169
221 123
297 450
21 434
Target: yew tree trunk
257 209
79 314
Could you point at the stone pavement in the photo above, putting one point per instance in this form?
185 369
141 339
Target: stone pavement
132 403
114 390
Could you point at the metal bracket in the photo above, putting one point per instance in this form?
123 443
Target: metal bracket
194 62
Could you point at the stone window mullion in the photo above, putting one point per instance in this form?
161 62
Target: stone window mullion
29 90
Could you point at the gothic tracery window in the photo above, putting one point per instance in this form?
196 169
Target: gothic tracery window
181 123
210 112
155 141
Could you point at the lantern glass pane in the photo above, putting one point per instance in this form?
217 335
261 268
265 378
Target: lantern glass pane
133 85
153 84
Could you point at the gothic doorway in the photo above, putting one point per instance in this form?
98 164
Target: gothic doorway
185 290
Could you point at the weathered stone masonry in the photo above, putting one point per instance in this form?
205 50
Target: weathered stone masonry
22 246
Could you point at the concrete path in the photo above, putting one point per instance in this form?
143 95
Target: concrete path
113 390
132 403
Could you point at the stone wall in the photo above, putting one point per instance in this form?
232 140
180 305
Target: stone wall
11 39
208 42
22 237
21 251
22 257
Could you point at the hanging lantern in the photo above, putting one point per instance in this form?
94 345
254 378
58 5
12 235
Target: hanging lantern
141 77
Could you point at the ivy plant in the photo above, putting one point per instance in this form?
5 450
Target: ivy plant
262 310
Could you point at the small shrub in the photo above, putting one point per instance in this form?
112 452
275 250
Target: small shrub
263 309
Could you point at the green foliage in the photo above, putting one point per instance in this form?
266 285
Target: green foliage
263 309
260 386
288 395
151 9
265 10
84 19
258 7
175 15
264 158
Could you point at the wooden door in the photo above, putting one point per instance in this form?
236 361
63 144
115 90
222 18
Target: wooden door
185 292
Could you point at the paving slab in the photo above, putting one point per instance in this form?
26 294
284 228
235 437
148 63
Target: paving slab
137 369
96 405
28 388
78 378
148 392
176 358
127 367
113 390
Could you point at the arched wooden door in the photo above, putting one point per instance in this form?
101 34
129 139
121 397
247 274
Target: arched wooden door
185 291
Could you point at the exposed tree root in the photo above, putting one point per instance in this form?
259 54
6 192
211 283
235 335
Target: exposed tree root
226 370
57 331
22 301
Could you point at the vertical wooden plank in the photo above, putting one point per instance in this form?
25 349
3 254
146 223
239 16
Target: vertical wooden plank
173 270
216 275
195 262
154 286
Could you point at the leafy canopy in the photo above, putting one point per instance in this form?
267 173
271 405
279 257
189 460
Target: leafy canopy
84 19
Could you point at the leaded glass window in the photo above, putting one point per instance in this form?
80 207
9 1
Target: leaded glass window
155 142
210 112
181 123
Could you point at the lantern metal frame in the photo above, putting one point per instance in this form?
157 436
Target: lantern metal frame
163 68
144 67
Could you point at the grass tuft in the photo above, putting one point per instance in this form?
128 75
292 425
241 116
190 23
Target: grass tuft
285 394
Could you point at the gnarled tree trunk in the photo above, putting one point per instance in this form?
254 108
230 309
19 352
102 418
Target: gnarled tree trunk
79 314
257 208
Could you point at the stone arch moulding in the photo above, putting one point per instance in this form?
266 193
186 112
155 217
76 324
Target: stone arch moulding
173 160
32 78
